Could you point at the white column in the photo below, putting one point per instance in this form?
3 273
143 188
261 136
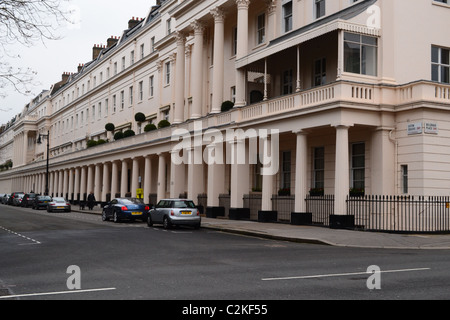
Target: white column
301 167
216 178
98 182
25 147
147 178
180 79
197 70
90 179
60 183
242 50
195 174
124 179
340 62
342 184
76 188
106 185
383 163
161 193
267 180
177 179
135 177
298 86
240 171
65 182
83 183
70 189
114 179
218 72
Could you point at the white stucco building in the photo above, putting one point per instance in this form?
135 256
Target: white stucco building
359 91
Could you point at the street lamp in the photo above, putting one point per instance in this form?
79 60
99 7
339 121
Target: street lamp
39 141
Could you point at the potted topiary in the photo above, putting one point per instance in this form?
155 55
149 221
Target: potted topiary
91 143
129 133
227 105
149 127
139 117
163 124
110 127
118 135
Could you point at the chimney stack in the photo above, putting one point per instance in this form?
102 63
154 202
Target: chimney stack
111 41
65 77
80 67
133 22
96 50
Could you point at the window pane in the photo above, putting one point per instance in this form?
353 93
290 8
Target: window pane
445 56
352 37
369 60
369 40
445 75
435 72
435 54
351 57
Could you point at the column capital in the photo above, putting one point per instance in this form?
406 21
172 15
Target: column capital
198 26
218 14
243 4
180 38
271 6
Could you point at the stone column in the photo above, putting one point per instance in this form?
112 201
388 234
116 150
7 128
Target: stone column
114 179
177 179
161 193
218 71
242 50
240 185
83 184
106 185
76 189
342 171
124 179
147 178
301 167
197 70
98 182
135 177
70 189
180 79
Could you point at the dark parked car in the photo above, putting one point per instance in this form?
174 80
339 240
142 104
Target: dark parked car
13 196
41 202
5 198
28 200
125 208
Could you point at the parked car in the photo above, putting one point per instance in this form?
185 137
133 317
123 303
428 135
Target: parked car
125 208
58 204
11 198
41 202
28 200
17 200
175 212
5 198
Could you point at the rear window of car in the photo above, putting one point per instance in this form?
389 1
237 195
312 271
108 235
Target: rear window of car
59 200
44 198
130 201
183 204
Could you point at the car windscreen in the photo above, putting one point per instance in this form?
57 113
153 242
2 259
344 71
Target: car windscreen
184 204
130 201
59 200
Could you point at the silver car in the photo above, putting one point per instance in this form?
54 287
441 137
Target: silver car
175 212
58 204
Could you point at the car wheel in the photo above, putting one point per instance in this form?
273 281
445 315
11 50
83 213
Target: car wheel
149 221
166 223
116 218
104 217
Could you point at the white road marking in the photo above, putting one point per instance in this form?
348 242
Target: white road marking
55 293
20 235
342 274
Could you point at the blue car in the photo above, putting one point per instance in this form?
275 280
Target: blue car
125 209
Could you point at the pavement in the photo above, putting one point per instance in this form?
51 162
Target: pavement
321 235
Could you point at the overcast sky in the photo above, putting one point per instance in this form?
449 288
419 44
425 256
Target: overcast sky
97 21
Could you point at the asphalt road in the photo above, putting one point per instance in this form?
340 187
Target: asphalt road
129 261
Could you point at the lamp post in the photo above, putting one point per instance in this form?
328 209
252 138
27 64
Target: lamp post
39 141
